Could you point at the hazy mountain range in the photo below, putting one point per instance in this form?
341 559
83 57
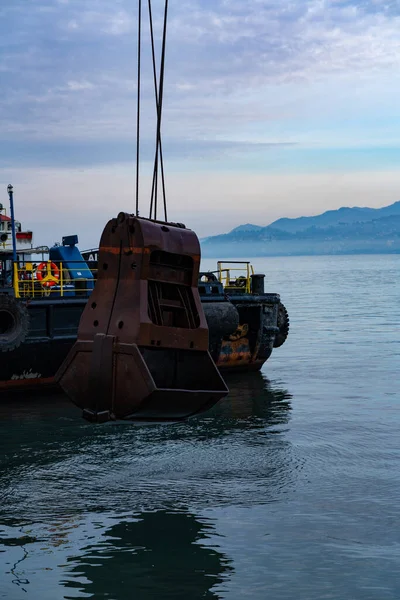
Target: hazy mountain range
343 231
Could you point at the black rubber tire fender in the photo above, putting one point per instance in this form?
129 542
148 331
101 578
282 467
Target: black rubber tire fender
222 318
283 324
14 323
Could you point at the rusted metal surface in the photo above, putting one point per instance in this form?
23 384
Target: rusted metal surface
142 347
251 344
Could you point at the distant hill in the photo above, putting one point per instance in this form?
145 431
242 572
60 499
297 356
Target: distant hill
343 231
336 217
247 227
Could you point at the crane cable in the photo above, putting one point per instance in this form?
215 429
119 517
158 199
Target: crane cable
138 105
159 102
159 94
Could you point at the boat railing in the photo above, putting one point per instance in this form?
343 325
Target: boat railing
236 278
52 279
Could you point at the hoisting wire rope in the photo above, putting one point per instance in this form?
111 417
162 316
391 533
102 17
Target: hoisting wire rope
159 102
138 104
155 174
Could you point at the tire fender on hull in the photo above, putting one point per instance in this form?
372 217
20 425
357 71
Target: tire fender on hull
283 325
222 318
14 323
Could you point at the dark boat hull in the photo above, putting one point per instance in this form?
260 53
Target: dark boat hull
53 326
52 332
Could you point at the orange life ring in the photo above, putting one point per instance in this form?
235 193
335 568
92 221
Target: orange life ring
48 274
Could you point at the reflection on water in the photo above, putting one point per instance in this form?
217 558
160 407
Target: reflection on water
99 510
252 395
158 555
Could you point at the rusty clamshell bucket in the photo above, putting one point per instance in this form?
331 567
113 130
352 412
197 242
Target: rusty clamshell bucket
142 347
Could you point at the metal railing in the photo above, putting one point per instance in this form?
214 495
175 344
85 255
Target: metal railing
230 278
52 278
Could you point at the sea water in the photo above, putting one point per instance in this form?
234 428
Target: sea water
288 489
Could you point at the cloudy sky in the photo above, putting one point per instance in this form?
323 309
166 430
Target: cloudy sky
272 108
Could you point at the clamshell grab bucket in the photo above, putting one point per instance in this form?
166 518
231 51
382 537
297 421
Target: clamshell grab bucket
142 347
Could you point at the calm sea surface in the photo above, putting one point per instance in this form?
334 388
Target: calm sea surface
289 489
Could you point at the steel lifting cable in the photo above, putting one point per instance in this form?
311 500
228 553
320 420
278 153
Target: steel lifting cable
159 102
155 173
159 93
138 104
160 99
